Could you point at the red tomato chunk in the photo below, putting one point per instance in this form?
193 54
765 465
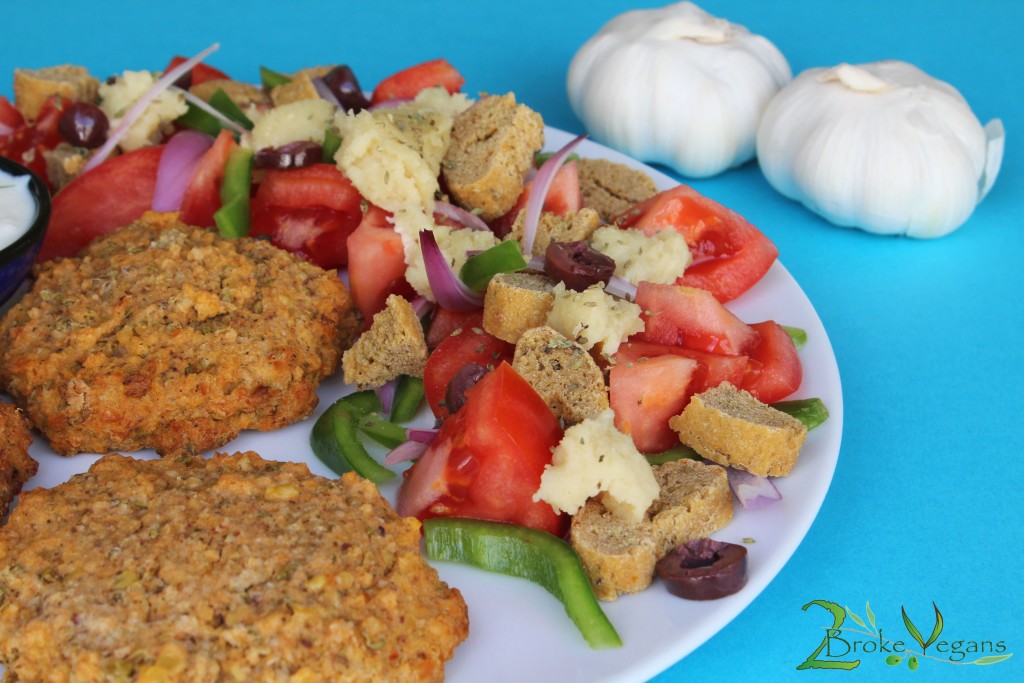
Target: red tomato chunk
487 459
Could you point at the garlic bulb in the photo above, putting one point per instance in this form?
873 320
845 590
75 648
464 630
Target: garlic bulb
677 86
883 147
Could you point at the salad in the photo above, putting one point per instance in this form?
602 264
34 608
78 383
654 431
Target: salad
204 163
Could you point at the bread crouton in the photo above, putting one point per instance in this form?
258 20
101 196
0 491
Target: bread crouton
573 227
729 426
300 87
611 188
618 557
64 163
516 302
242 94
492 148
562 372
33 86
394 345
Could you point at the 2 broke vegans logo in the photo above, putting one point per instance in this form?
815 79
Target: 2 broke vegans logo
841 644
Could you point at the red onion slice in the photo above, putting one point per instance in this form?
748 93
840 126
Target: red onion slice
421 435
624 289
752 491
539 191
410 450
449 291
140 105
464 218
421 305
386 394
177 164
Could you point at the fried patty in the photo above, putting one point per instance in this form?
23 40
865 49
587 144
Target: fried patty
228 569
170 337
16 465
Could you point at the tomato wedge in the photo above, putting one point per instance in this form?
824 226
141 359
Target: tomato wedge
712 368
98 202
645 395
26 142
774 370
379 267
691 317
199 73
407 83
202 195
729 254
310 211
487 459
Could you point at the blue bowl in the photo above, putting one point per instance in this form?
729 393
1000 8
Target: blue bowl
16 259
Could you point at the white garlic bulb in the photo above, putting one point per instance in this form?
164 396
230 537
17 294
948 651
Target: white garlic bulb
676 86
882 146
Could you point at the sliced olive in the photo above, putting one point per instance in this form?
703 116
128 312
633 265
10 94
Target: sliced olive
704 569
292 155
83 125
461 382
343 84
577 264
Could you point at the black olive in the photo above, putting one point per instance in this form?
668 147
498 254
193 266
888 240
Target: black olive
83 125
577 264
343 84
704 569
461 382
292 155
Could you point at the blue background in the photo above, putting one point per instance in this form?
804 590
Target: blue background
926 500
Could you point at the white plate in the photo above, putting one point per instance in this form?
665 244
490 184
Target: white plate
520 633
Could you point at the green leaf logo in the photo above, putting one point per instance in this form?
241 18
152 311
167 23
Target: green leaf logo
992 659
857 620
871 615
916 634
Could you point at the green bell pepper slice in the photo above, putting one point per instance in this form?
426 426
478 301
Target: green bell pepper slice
409 393
220 101
529 554
335 437
797 334
271 79
233 218
478 270
811 411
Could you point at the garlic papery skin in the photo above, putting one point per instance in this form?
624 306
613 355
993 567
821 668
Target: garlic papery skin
882 146
676 86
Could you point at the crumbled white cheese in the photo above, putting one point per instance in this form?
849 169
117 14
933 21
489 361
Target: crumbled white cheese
393 157
660 258
594 458
148 129
299 120
594 317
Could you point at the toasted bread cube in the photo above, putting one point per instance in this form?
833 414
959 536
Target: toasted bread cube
573 227
242 94
33 86
394 345
611 188
618 557
491 151
732 428
516 302
562 372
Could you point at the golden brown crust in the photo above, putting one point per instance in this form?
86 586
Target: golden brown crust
170 337
694 501
229 568
16 465
732 428
492 148
611 188
300 87
242 94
